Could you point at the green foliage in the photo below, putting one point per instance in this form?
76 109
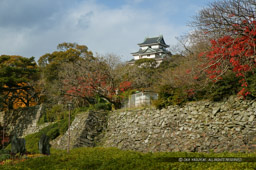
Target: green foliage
101 106
174 61
143 75
42 119
127 93
33 139
57 112
146 63
52 131
217 91
80 109
16 69
17 75
160 103
68 52
251 79
51 65
224 88
112 158
4 154
165 65
170 96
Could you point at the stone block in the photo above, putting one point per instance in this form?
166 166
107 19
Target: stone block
18 145
251 118
44 145
215 110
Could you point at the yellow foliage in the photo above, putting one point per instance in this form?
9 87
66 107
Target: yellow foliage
23 96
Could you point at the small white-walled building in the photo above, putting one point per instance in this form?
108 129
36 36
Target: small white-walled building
141 99
152 48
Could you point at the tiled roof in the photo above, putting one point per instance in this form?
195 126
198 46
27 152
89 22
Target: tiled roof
150 51
154 40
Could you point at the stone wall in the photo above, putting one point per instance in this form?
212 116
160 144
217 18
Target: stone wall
203 126
85 130
22 121
2 118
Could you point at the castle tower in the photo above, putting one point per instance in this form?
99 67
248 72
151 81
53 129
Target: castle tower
152 48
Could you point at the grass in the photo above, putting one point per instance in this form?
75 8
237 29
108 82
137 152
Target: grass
112 158
4 154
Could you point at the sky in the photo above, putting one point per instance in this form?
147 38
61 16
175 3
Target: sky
35 27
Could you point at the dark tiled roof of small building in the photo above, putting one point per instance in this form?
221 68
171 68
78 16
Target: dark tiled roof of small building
154 40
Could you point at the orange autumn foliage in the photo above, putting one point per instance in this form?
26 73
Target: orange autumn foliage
23 97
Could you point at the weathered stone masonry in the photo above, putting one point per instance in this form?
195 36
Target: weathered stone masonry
203 126
23 121
85 130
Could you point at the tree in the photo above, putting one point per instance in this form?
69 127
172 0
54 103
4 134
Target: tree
89 79
51 64
17 81
225 17
231 26
141 74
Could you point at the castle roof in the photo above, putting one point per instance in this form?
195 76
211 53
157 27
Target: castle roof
150 51
154 41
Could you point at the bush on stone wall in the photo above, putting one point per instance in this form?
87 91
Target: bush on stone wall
57 112
217 91
170 96
222 89
101 106
251 79
227 87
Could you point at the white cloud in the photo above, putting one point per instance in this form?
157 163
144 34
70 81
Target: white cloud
118 30
102 29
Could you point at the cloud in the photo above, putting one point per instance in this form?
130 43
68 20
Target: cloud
37 27
29 13
118 30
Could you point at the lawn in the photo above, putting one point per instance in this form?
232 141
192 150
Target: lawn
113 158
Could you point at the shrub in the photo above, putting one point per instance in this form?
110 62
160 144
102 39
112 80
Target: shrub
159 104
33 139
63 125
170 96
146 62
217 91
53 133
222 89
57 112
80 109
251 79
4 154
42 119
102 106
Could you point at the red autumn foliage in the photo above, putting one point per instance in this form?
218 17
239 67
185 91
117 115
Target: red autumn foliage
91 85
87 86
125 85
191 92
233 52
